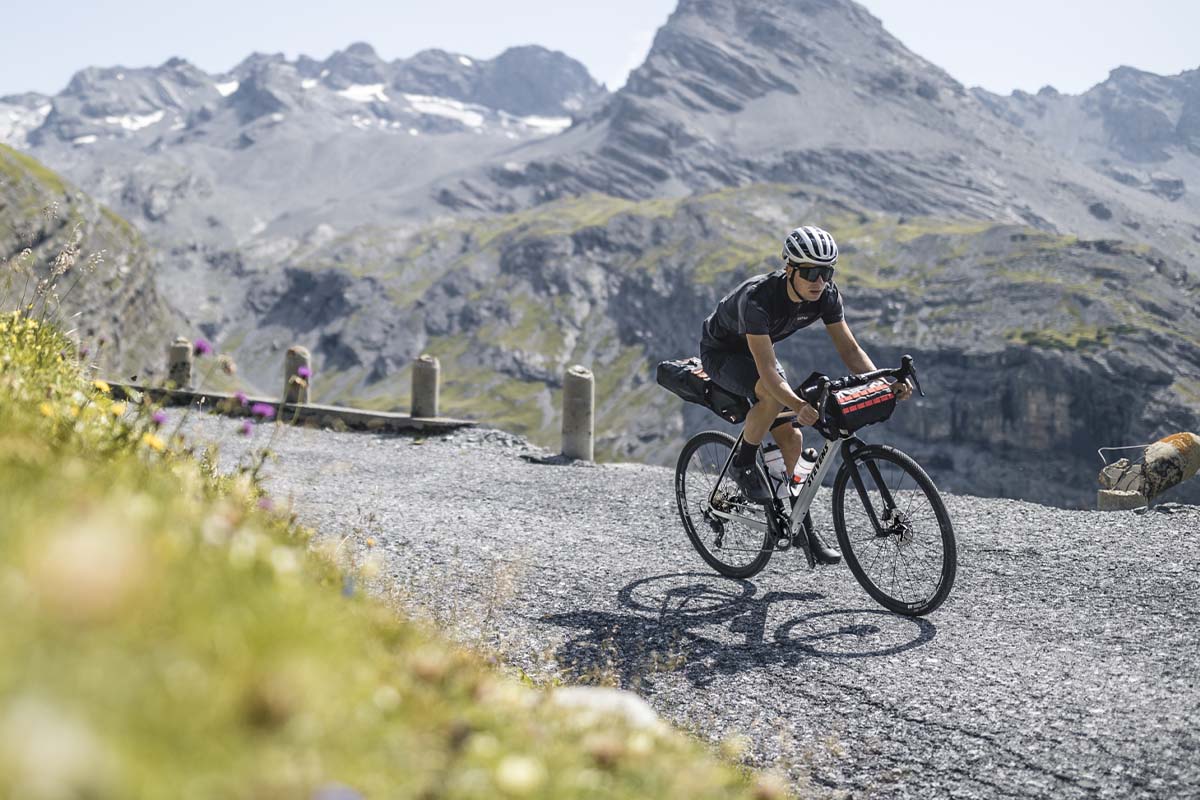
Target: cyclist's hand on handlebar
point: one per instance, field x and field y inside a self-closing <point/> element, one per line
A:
<point x="902" y="390"/>
<point x="805" y="414"/>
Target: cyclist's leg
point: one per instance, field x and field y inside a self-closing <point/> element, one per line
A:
<point x="761" y="417"/>
<point x="791" y="443"/>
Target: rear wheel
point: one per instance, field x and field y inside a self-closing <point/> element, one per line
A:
<point x="730" y="532"/>
<point x="894" y="530"/>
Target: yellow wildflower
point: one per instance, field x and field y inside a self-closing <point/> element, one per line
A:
<point x="46" y="409"/>
<point x="102" y="386"/>
<point x="150" y="440"/>
<point x="117" y="409"/>
<point x="520" y="775"/>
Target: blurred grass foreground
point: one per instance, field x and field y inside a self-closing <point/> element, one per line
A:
<point x="167" y="634"/>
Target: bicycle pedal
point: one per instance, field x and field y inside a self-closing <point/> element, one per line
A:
<point x="783" y="543"/>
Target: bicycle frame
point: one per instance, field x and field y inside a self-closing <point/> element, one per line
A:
<point x="793" y="517"/>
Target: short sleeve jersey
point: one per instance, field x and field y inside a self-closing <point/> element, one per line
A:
<point x="761" y="305"/>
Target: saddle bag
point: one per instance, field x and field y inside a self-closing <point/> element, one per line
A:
<point x="687" y="379"/>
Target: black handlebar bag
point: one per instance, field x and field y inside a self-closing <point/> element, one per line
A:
<point x="853" y="407"/>
<point x="687" y="379"/>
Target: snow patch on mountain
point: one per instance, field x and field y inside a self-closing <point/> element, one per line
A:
<point x="227" y="88"/>
<point x="17" y="121"/>
<point x="547" y="125"/>
<point x="365" y="93"/>
<point x="135" y="122"/>
<point x="470" y="115"/>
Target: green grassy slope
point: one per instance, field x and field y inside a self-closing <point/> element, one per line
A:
<point x="167" y="634"/>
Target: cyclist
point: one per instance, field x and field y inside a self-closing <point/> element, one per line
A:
<point x="737" y="349"/>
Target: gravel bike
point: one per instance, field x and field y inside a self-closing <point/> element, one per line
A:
<point x="891" y="523"/>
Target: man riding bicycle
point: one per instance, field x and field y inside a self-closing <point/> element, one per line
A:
<point x="737" y="349"/>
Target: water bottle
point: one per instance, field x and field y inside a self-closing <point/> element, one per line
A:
<point x="804" y="467"/>
<point x="773" y="457"/>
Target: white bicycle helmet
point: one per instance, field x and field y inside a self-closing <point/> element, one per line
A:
<point x="810" y="245"/>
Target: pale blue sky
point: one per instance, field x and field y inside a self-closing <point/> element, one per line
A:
<point x="1000" y="45"/>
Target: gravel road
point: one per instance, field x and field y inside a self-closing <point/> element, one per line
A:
<point x="1064" y="664"/>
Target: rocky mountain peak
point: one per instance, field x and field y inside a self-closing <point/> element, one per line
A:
<point x="1146" y="116"/>
<point x="436" y="73"/>
<point x="728" y="51"/>
<point x="256" y="61"/>
<point x="361" y="50"/>
<point x="525" y="81"/>
<point x="357" y="64"/>
<point x="266" y="87"/>
<point x="532" y="80"/>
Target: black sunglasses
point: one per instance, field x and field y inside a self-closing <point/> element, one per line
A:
<point x="812" y="273"/>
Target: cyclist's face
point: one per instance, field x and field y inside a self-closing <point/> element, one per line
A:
<point x="808" y="290"/>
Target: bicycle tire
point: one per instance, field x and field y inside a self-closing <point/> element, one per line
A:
<point x="695" y="475"/>
<point x="907" y="546"/>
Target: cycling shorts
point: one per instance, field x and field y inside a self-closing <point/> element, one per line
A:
<point x="735" y="372"/>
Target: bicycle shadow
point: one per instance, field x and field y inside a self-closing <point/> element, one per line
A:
<point x="703" y="626"/>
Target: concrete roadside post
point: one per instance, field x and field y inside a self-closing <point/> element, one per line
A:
<point x="297" y="363"/>
<point x="425" y="376"/>
<point x="1119" y="500"/>
<point x="579" y="400"/>
<point x="179" y="363"/>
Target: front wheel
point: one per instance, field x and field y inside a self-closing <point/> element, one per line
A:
<point x="894" y="530"/>
<point x="727" y="530"/>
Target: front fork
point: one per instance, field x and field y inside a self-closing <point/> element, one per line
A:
<point x="889" y="503"/>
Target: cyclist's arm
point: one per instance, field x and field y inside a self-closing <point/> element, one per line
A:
<point x="764" y="359"/>
<point x="856" y="359"/>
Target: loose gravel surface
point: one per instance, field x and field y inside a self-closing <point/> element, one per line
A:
<point x="1064" y="663"/>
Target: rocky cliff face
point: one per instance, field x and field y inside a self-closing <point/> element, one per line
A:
<point x="116" y="310"/>
<point x="1035" y="348"/>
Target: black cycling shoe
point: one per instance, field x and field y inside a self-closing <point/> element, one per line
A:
<point x="752" y="483"/>
<point x="823" y="553"/>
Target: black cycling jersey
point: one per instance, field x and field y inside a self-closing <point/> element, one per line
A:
<point x="761" y="305"/>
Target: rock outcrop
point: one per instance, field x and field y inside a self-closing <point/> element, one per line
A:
<point x="109" y="297"/>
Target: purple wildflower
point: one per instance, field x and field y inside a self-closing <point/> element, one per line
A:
<point x="264" y="503"/>
<point x="262" y="410"/>
<point x="158" y="417"/>
<point x="304" y="372"/>
<point x="247" y="427"/>
<point x="202" y="347"/>
<point x="242" y="399"/>
<point x="336" y="791"/>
